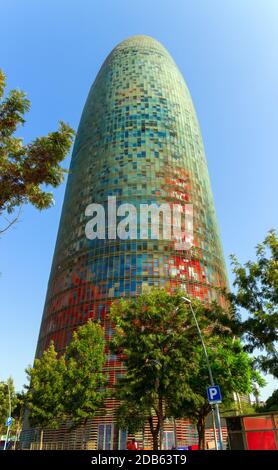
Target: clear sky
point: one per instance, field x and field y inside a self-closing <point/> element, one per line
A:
<point x="227" y="52"/>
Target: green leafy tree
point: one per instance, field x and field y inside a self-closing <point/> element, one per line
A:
<point x="131" y="415"/>
<point x="18" y="414"/>
<point x="26" y="169"/>
<point x="271" y="403"/>
<point x="256" y="284"/>
<point x="45" y="392"/>
<point x="166" y="371"/>
<point x="8" y="399"/>
<point x="69" y="386"/>
<point x="84" y="379"/>
<point x="232" y="370"/>
<point x="155" y="337"/>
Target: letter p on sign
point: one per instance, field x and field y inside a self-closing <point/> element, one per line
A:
<point x="214" y="395"/>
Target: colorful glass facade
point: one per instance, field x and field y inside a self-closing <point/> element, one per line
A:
<point x="138" y="140"/>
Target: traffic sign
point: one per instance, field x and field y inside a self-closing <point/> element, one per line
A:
<point x="214" y="395"/>
<point x="9" y="421"/>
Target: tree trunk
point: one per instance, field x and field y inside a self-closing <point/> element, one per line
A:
<point x="84" y="443"/>
<point x="160" y="422"/>
<point x="41" y="439"/>
<point x="155" y="440"/>
<point x="154" y="433"/>
<point x="201" y="432"/>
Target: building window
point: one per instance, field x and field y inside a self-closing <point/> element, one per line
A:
<point x="168" y="440"/>
<point x="122" y="439"/>
<point x="105" y="436"/>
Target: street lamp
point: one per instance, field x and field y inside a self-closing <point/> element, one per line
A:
<point x="217" y="414"/>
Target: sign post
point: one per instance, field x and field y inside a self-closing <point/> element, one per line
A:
<point x="214" y="399"/>
<point x="9" y="421"/>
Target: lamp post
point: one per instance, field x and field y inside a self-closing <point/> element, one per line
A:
<point x="215" y="415"/>
<point x="10" y="413"/>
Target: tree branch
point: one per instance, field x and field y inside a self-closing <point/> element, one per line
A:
<point x="10" y="223"/>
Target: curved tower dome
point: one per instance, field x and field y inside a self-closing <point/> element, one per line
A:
<point x="138" y="140"/>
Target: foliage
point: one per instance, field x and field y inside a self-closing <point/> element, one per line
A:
<point x="25" y="169"/>
<point x="68" y="386"/>
<point x="232" y="370"/>
<point x="18" y="412"/>
<point x="271" y="403"/>
<point x="84" y="379"/>
<point x="4" y="402"/>
<point x="166" y="372"/>
<point x="256" y="284"/>
<point x="155" y="336"/>
<point x="131" y="415"/>
<point x="45" y="392"/>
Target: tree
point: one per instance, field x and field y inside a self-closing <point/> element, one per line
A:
<point x="256" y="284"/>
<point x="271" y="403"/>
<point x="84" y="378"/>
<point x="69" y="386"/>
<point x="26" y="169"/>
<point x="18" y="414"/>
<point x="155" y="338"/>
<point x="166" y="371"/>
<point x="45" y="392"/>
<point x="11" y="403"/>
<point x="8" y="402"/>
<point x="232" y="370"/>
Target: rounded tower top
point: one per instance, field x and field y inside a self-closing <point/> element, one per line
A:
<point x="139" y="44"/>
<point x="140" y="40"/>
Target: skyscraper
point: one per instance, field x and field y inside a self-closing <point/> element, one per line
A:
<point x="139" y="141"/>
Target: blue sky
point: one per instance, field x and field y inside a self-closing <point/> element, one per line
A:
<point x="227" y="52"/>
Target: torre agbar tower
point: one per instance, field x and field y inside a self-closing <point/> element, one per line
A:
<point x="138" y="140"/>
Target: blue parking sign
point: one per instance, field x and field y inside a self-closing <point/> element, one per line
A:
<point x="9" y="421"/>
<point x="214" y="395"/>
